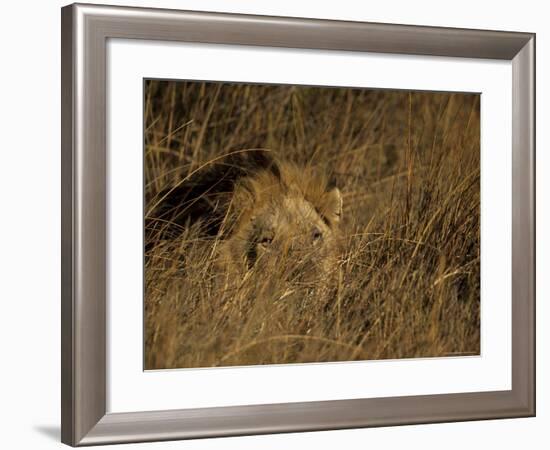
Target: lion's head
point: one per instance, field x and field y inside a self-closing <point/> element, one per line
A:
<point x="284" y="218"/>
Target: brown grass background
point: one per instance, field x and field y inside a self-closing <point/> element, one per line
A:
<point x="408" y="165"/>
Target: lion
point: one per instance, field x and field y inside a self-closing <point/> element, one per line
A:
<point x="263" y="214"/>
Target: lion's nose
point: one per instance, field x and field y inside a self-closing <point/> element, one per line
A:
<point x="296" y="246"/>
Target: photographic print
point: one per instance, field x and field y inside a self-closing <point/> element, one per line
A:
<point x="297" y="224"/>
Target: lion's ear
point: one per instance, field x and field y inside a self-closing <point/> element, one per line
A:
<point x="333" y="205"/>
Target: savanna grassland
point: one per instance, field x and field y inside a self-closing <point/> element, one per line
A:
<point x="408" y="282"/>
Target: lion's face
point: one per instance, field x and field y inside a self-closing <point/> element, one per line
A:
<point x="290" y="230"/>
<point x="281" y="229"/>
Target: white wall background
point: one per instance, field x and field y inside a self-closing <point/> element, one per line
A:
<point x="30" y="222"/>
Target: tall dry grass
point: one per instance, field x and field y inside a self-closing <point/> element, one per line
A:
<point x="408" y="281"/>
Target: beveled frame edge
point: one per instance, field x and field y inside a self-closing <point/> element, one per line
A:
<point x="85" y="29"/>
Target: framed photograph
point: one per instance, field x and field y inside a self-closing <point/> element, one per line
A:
<point x="281" y="224"/>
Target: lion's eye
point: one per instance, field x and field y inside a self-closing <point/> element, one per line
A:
<point x="317" y="235"/>
<point x="266" y="240"/>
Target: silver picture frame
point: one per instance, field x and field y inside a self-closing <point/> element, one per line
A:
<point x="85" y="31"/>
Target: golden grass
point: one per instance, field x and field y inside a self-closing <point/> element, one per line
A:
<point x="408" y="281"/>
